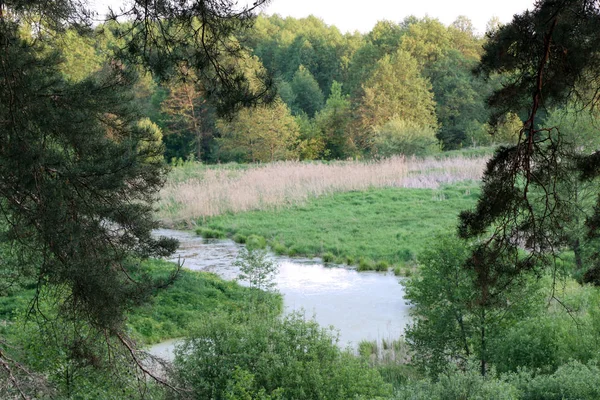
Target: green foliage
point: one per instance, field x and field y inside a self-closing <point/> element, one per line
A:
<point x="395" y="90"/>
<point x="285" y="44"/>
<point x="308" y="97"/>
<point x="544" y="340"/>
<point x="242" y="385"/>
<point x="460" y="101"/>
<point x="80" y="166"/>
<point x="440" y="295"/>
<point x="507" y="129"/>
<point x="290" y="357"/>
<point x="571" y="381"/>
<point x="255" y="242"/>
<point x="401" y="137"/>
<point x="382" y="266"/>
<point x="207" y="233"/>
<point x="257" y="268"/>
<point x="75" y="358"/>
<point x="426" y="40"/>
<point x="334" y="123"/>
<point x="80" y="56"/>
<point x="365" y="264"/>
<point x="578" y="129"/>
<point x="194" y="295"/>
<point x="265" y="133"/>
<point x="239" y="238"/>
<point x="311" y="144"/>
<point x="518" y="50"/>
<point x="458" y="385"/>
<point x="328" y="257"/>
<point x="451" y="325"/>
<point x="383" y="224"/>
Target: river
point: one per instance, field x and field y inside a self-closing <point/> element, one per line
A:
<point x="362" y="306"/>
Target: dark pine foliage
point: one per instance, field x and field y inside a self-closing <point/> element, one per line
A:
<point x="548" y="56"/>
<point x="78" y="173"/>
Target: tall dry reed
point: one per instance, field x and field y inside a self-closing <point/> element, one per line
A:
<point x="216" y="191"/>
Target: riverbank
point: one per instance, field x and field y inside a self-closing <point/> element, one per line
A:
<point x="372" y="229"/>
<point x="171" y="314"/>
<point x="194" y="295"/>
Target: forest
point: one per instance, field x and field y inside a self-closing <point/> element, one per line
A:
<point x="464" y="166"/>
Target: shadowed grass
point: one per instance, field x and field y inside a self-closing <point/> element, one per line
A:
<point x="193" y="295"/>
<point x="171" y="313"/>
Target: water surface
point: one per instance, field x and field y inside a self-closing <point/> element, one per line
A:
<point x="362" y="306"/>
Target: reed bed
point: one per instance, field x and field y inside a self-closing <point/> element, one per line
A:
<point x="213" y="191"/>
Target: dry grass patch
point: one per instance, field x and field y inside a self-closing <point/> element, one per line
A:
<point x="213" y="191"/>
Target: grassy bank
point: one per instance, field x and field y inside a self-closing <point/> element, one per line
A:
<point x="364" y="228"/>
<point x="171" y="313"/>
<point x="193" y="296"/>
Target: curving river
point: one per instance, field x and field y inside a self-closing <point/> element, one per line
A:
<point x="365" y="305"/>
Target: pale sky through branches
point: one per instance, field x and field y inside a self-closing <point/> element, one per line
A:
<point x="351" y="15"/>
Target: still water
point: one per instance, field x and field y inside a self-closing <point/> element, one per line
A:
<point x="362" y="306"/>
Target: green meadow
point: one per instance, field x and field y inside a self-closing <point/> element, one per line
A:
<point x="372" y="229"/>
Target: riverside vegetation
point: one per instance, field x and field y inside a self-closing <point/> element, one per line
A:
<point x="348" y="136"/>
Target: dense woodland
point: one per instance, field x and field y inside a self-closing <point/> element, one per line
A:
<point x="505" y="307"/>
<point x="403" y="88"/>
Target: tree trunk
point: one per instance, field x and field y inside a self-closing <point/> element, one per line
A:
<point x="482" y="355"/>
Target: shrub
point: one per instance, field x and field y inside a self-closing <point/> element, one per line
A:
<point x="402" y="137"/>
<point x="290" y="357"/>
<point x="278" y="248"/>
<point x="458" y="385"/>
<point x="257" y="268"/>
<point x="571" y="381"/>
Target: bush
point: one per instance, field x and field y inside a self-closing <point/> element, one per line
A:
<point x="573" y="380"/>
<point x="239" y="238"/>
<point x="278" y="248"/>
<point x="459" y="385"/>
<point x="257" y="268"/>
<point x="290" y="357"/>
<point x="401" y="137"/>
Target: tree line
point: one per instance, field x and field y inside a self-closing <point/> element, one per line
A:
<point x="402" y="88"/>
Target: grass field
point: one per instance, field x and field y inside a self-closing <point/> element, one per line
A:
<point x="372" y="228"/>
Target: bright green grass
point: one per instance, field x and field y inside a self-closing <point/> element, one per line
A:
<point x="361" y="228"/>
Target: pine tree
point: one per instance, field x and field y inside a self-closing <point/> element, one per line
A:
<point x="79" y="171"/>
